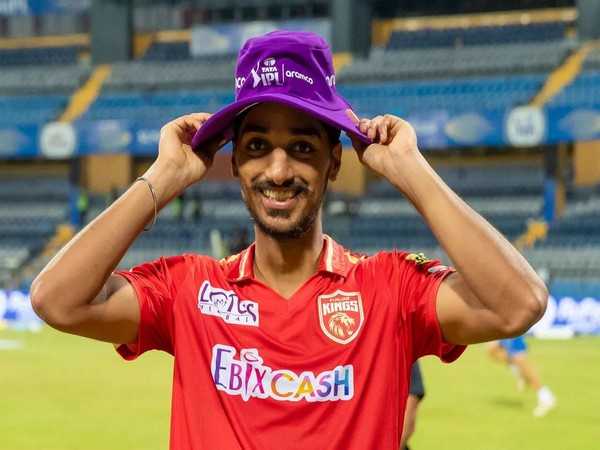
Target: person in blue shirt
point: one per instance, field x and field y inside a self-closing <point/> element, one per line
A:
<point x="513" y="352"/>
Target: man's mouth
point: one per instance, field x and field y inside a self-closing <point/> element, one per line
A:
<point x="279" y="195"/>
<point x="279" y="198"/>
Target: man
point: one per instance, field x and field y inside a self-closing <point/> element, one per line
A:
<point x="513" y="352"/>
<point x="295" y="343"/>
<point x="416" y="394"/>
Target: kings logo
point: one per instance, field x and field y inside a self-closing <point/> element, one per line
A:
<point x="341" y="315"/>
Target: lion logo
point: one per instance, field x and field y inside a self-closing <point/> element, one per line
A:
<point x="341" y="325"/>
<point x="341" y="315"/>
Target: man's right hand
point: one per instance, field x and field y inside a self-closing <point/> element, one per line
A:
<point x="178" y="166"/>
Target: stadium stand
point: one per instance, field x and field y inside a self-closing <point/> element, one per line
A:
<point x="26" y="109"/>
<point x="40" y="56"/>
<point x="155" y="106"/>
<point x="453" y="95"/>
<point x="37" y="95"/>
<point x="479" y="35"/>
<point x="457" y="61"/>
<point x="593" y="59"/>
<point x="42" y="79"/>
<point x="168" y="51"/>
<point x="584" y="91"/>
<point x="31" y="210"/>
<point x="149" y="75"/>
<point x="507" y="201"/>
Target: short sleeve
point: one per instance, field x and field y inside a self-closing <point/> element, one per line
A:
<point x="155" y="284"/>
<point x="415" y="281"/>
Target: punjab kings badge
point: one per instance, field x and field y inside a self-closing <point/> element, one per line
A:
<point x="341" y="315"/>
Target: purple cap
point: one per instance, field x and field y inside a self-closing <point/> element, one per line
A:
<point x="292" y="68"/>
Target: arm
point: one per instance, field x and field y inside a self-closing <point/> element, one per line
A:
<point x="495" y="292"/>
<point x="76" y="292"/>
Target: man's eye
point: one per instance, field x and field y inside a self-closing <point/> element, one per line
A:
<point x="302" y="147"/>
<point x="257" y="145"/>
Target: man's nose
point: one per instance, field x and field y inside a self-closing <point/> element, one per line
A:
<point x="279" y="169"/>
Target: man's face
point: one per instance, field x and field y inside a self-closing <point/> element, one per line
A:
<point x="284" y="160"/>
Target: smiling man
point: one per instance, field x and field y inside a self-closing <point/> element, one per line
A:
<point x="294" y="343"/>
<point x="287" y="158"/>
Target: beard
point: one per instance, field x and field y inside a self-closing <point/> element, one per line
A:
<point x="296" y="229"/>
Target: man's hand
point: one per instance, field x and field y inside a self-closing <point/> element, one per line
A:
<point x="394" y="147"/>
<point x="178" y="166"/>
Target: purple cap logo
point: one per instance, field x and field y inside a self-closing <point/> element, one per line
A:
<point x="267" y="74"/>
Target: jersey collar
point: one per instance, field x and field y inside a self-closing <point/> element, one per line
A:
<point x="334" y="259"/>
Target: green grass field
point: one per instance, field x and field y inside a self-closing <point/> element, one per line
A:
<point x="60" y="392"/>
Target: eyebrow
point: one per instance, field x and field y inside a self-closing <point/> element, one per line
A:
<point x="297" y="131"/>
<point x="253" y="128"/>
<point x="306" y="131"/>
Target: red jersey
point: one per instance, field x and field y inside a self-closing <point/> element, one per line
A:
<point x="328" y="368"/>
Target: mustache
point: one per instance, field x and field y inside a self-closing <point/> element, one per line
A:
<point x="295" y="184"/>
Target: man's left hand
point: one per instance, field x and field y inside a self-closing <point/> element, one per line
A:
<point x="394" y="145"/>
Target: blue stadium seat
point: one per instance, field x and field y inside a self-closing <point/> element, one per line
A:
<point x="40" y="56"/>
<point x="158" y="106"/>
<point x="455" y="95"/>
<point x="31" y="208"/>
<point x="27" y="109"/>
<point x="161" y="51"/>
<point x="583" y="92"/>
<point x="481" y="35"/>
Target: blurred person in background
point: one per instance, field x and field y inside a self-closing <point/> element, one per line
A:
<point x="513" y="353"/>
<point x="196" y="202"/>
<point x="179" y="207"/>
<point x="416" y="394"/>
<point x="83" y="205"/>
<point x="295" y="341"/>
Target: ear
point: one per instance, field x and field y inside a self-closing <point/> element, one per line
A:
<point x="336" y="161"/>
<point x="234" y="167"/>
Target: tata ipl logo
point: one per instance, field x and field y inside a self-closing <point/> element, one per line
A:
<point x="267" y="74"/>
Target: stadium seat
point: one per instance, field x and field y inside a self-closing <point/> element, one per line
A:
<point x="478" y="35"/>
<point x="443" y="62"/>
<point x="31" y="208"/>
<point x="40" y="56"/>
<point x="152" y="75"/>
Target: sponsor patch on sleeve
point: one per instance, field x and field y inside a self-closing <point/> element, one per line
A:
<point x="418" y="258"/>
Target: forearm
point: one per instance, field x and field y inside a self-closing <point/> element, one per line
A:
<point x="496" y="273"/>
<point x="76" y="275"/>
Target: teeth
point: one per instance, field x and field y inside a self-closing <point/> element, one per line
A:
<point x="280" y="196"/>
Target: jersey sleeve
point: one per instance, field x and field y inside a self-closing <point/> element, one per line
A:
<point x="415" y="281"/>
<point x="155" y="284"/>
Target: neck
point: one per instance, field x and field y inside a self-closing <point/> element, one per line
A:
<point x="284" y="265"/>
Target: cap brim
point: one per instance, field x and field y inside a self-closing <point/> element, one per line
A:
<point x="220" y="123"/>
